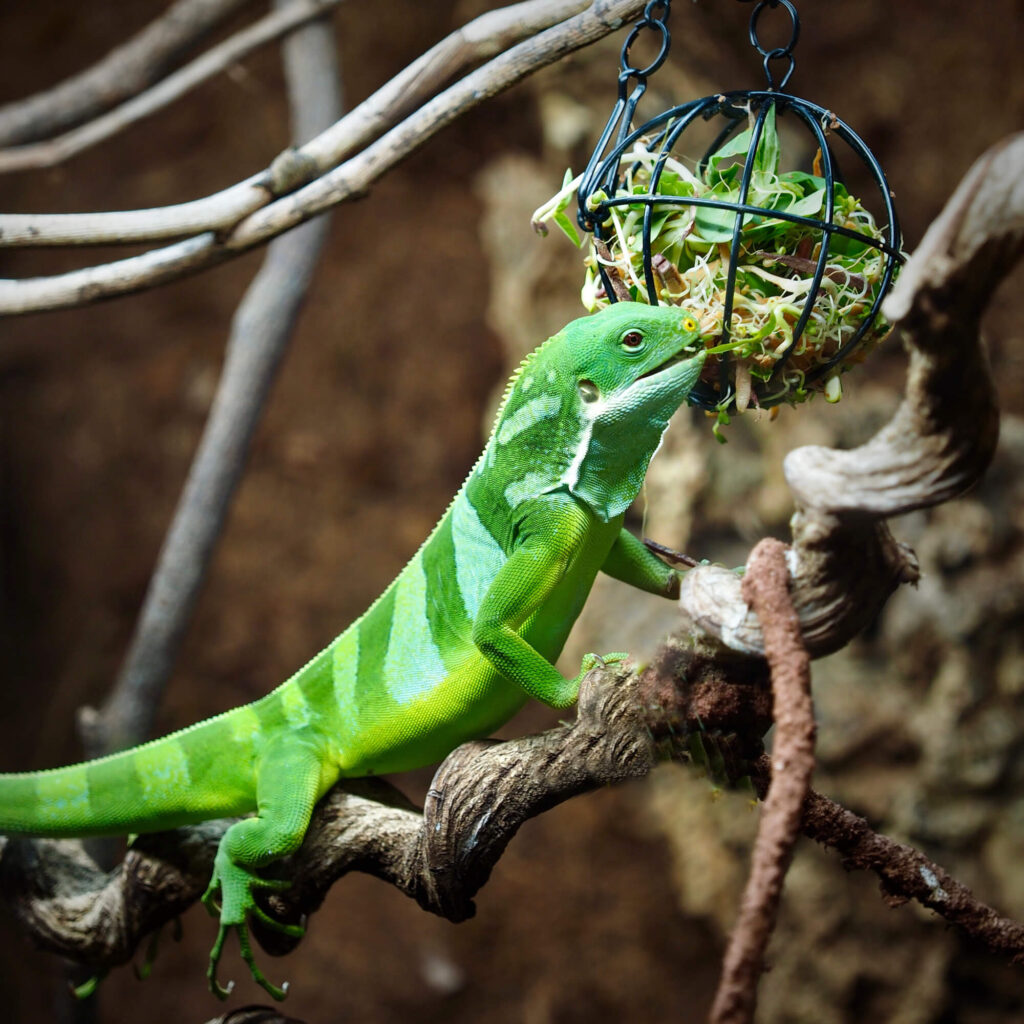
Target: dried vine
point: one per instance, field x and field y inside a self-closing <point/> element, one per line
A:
<point x="765" y="586"/>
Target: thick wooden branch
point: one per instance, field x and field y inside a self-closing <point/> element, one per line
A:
<point x="844" y="562"/>
<point x="479" y="798"/>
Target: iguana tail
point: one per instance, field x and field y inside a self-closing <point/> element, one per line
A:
<point x="205" y="771"/>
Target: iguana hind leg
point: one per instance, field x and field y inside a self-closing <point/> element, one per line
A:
<point x="288" y="782"/>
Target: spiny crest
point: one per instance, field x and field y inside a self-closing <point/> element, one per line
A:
<point x="528" y="361"/>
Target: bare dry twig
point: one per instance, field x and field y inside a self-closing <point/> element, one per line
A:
<point x="272" y="26"/>
<point x="124" y="72"/>
<point x="237" y="232"/>
<point x="484" y="37"/>
<point x="905" y="873"/>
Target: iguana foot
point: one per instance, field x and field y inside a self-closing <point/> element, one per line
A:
<point x="234" y="886"/>
<point x="571" y="693"/>
<point x="591" y="661"/>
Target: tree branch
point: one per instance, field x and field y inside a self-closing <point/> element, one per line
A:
<point x="348" y="181"/>
<point x="272" y="26"/>
<point x="260" y="333"/>
<point x="125" y="71"/>
<point x="905" y="873"/>
<point x="483" y="37"/>
<point x="440" y="857"/>
<point x="479" y="798"/>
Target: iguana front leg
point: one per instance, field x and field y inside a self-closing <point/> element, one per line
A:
<point x="632" y="562"/>
<point x="288" y="781"/>
<point x="551" y="540"/>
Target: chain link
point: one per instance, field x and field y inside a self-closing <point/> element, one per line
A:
<point x="655" y="19"/>
<point x="778" y="52"/>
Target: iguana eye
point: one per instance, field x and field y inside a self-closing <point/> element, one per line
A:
<point x="588" y="391"/>
<point x="689" y="324"/>
<point x="632" y="341"/>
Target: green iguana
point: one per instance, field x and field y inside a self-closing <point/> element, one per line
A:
<point x="453" y="647"/>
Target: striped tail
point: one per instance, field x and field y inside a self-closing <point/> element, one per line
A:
<point x="202" y="772"/>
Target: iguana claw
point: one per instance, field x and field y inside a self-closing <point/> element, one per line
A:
<point x="87" y="988"/>
<point x="223" y="991"/>
<point x="233" y="917"/>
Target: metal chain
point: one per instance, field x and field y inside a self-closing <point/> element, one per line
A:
<point x="777" y="52"/>
<point x="655" y="19"/>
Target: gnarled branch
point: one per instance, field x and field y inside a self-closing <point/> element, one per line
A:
<point x="844" y="562"/>
<point x="479" y="798"/>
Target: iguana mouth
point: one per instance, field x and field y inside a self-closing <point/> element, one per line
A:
<point x="681" y="356"/>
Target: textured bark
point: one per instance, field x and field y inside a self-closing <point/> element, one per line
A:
<point x="765" y="587"/>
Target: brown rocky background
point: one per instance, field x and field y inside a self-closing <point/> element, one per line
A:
<point x="612" y="908"/>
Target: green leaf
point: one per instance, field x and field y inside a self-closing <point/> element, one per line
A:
<point x="808" y="206"/>
<point x="842" y="245"/>
<point x="714" y="225"/>
<point x="673" y="184"/>
<point x="807" y="183"/>
<point x="766" y="159"/>
<point x="568" y="227"/>
<point x="659" y="219"/>
<point x="721" y="420"/>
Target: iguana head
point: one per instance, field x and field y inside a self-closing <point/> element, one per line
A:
<point x="586" y="412"/>
<point x="631" y="362"/>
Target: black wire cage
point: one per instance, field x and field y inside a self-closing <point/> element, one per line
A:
<point x="604" y="187"/>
